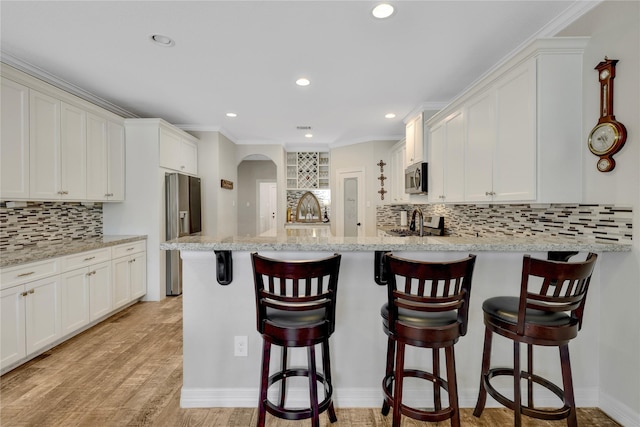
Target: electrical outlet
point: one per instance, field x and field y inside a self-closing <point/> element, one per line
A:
<point x="240" y="346"/>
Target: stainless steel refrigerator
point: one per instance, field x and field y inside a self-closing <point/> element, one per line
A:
<point x="183" y="218"/>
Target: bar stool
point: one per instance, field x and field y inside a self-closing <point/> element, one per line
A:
<point x="551" y="316"/>
<point x="428" y="306"/>
<point x="295" y="306"/>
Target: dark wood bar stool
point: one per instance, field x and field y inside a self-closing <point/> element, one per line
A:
<point x="428" y="306"/>
<point x="295" y="306"/>
<point x="550" y="316"/>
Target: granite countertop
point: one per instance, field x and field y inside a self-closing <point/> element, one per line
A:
<point x="46" y="251"/>
<point x="364" y="244"/>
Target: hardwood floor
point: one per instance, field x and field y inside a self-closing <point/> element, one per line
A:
<point x="127" y="371"/>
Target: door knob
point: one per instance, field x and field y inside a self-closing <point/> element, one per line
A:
<point x="358" y="224"/>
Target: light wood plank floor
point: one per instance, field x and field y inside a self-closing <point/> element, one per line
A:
<point x="127" y="371"/>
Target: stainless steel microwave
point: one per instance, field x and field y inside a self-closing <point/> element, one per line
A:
<point x="415" y="179"/>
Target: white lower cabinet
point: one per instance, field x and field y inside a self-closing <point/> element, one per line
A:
<point x="86" y="296"/>
<point x="43" y="302"/>
<point x="99" y="290"/>
<point x="129" y="273"/>
<point x="12" y="326"/>
<point x="30" y="318"/>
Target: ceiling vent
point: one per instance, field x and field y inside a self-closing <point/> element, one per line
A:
<point x="303" y="127"/>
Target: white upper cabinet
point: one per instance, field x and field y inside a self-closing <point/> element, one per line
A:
<point x="414" y="140"/>
<point x="501" y="143"/>
<point x="14" y="141"/>
<point x="105" y="159"/>
<point x="44" y="149"/>
<point x="446" y="160"/>
<point x="57" y="149"/>
<point x="178" y="151"/>
<point x="397" y="156"/>
<point x="73" y="152"/>
<point x="56" y="146"/>
<point x="521" y="130"/>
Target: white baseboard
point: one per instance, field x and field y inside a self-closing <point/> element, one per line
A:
<point x="620" y="412"/>
<point x="361" y="398"/>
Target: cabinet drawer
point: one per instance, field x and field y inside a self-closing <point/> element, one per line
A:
<point x="28" y="272"/>
<point x="84" y="259"/>
<point x="128" y="249"/>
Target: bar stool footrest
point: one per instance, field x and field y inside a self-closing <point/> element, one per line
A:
<point x="417" y="414"/>
<point x="545" y="414"/>
<point x="297" y="413"/>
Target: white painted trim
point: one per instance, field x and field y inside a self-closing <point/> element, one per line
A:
<point x="372" y="398"/>
<point x="620" y="412"/>
<point x="38" y="73"/>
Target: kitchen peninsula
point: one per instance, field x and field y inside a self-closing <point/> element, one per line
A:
<point x="215" y="314"/>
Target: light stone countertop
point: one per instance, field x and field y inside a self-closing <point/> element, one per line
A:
<point x="44" y="251"/>
<point x="366" y="244"/>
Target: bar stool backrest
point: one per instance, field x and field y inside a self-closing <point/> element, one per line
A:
<point x="563" y="287"/>
<point x="295" y="286"/>
<point x="434" y="287"/>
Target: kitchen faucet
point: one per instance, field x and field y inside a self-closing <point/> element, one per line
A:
<point x="412" y="226"/>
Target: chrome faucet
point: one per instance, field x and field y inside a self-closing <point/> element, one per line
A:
<point x="412" y="226"/>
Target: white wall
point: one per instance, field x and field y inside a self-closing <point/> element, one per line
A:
<point x="366" y="156"/>
<point x="142" y="212"/>
<point x="614" y="28"/>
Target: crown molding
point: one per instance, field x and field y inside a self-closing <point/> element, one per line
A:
<point x="59" y="83"/>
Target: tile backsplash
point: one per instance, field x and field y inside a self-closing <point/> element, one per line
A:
<point x="46" y="222"/>
<point x="598" y="222"/>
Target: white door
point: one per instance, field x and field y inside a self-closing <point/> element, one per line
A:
<point x="267" y="206"/>
<point x="350" y="203"/>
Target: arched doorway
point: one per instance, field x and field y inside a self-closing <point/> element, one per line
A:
<point x="257" y="196"/>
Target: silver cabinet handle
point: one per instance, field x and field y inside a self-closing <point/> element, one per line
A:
<point x="89" y="258"/>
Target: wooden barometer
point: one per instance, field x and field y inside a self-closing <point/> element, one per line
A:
<point x="609" y="135"/>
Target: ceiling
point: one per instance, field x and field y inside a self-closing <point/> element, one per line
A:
<point x="244" y="57"/>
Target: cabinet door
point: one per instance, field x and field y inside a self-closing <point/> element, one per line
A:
<point x="44" y="146"/>
<point x="454" y="159"/>
<point x="74" y="300"/>
<point x="14" y="141"/>
<point x="12" y="327"/>
<point x="120" y="290"/>
<point x="169" y="150"/>
<point x="116" y="160"/>
<point x="481" y="135"/>
<point x="42" y="313"/>
<point x="99" y="290"/>
<point x="514" y="169"/>
<point x="410" y="136"/>
<point x="138" y="276"/>
<point x="398" y="153"/>
<point x="97" y="158"/>
<point x="415" y="140"/>
<point x="73" y="152"/>
<point x="189" y="155"/>
<point x="437" y="163"/>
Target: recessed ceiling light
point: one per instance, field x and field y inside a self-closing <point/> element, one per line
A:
<point x="390" y="116"/>
<point x="383" y="10"/>
<point x="161" y="40"/>
<point x="308" y="135"/>
<point x="303" y="81"/>
<point x="231" y="115"/>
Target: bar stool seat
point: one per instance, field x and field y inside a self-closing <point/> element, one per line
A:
<point x="427" y="307"/>
<point x="295" y="307"/>
<point x="551" y="316"/>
